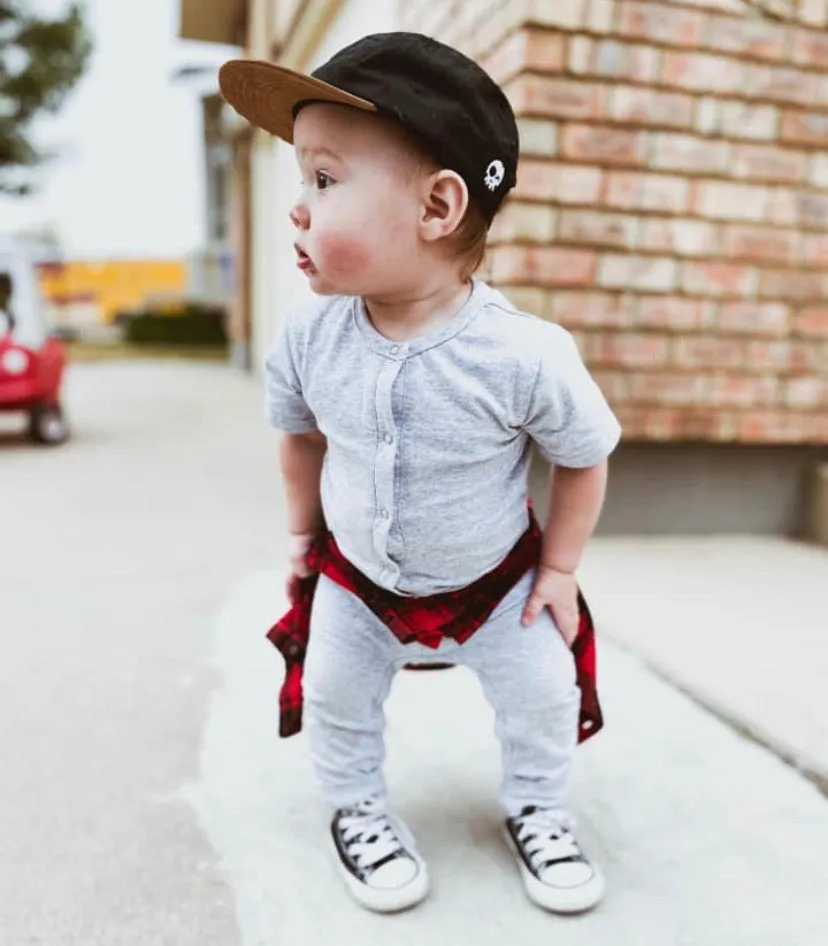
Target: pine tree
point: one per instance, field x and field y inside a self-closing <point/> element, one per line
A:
<point x="41" y="59"/>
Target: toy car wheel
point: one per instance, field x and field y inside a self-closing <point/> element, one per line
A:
<point x="48" y="425"/>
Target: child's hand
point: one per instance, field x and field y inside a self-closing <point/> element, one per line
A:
<point x="557" y="591"/>
<point x="298" y="549"/>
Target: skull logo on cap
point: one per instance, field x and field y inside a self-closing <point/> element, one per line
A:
<point x="495" y="173"/>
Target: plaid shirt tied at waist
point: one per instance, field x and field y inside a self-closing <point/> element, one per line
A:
<point x="426" y="620"/>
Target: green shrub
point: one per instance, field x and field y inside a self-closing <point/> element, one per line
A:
<point x="195" y="325"/>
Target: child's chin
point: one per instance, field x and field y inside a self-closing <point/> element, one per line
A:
<point x="322" y="287"/>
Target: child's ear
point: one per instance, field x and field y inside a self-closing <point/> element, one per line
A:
<point x="446" y="200"/>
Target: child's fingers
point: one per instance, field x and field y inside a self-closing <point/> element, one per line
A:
<point x="567" y="621"/>
<point x="533" y="608"/>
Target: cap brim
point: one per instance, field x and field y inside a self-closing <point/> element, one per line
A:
<point x="266" y="94"/>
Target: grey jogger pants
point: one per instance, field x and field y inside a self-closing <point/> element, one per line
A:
<point x="527" y="674"/>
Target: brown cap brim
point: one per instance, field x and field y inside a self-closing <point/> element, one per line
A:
<point x="266" y="94"/>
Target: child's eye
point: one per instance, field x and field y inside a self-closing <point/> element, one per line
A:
<point x="323" y="180"/>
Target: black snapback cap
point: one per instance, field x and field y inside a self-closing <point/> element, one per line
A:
<point x="445" y="99"/>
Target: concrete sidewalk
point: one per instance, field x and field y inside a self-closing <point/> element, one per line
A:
<point x="144" y="570"/>
<point x="707" y="839"/>
<point x="741" y="624"/>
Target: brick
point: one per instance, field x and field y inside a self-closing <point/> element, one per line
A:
<point x="660" y="24"/>
<point x="542" y="266"/>
<point x="773" y="427"/>
<point x="700" y="72"/>
<point x="783" y="85"/>
<point x="812" y="209"/>
<point x="600" y="15"/>
<point x="768" y="163"/>
<point x="581" y="55"/>
<point x="590" y="309"/>
<point x="603" y="145"/>
<point x="649" y="107"/>
<point x="644" y="273"/>
<point x="718" y="279"/>
<point x="538" y="180"/>
<point x="725" y="201"/>
<point x="762" y="244"/>
<point x="708" y="353"/>
<point x="751" y="318"/>
<point x="526" y="49"/>
<point x="489" y="32"/>
<point x="783" y="206"/>
<point x="652" y="423"/>
<point x="805" y="393"/>
<point x="813" y="12"/>
<point x="811" y="49"/>
<point x="742" y="120"/>
<point x="625" y="61"/>
<point x="785" y="10"/>
<point x="815" y="251"/>
<point x="769" y="355"/>
<point x="578" y="185"/>
<point x="674" y="313"/>
<point x="671" y="390"/>
<point x="686" y="153"/>
<point x="791" y="284"/>
<point x="810" y="128"/>
<point x="743" y="391"/>
<point x="538" y="137"/>
<point x="566" y="14"/>
<point x="708" y="115"/>
<point x="615" y="385"/>
<point x="757" y="38"/>
<point x="532" y="299"/>
<point x="706" y="424"/>
<point x="547" y="97"/>
<point x="682" y="237"/>
<point x="630" y="350"/>
<point x="737" y="6"/>
<point x="658" y="192"/>
<point x="812" y="322"/>
<point x="470" y="12"/>
<point x="809" y="355"/>
<point x="818" y="173"/>
<point x="598" y="229"/>
<point x="518" y="222"/>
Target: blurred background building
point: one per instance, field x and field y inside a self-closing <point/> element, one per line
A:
<point x="671" y="210"/>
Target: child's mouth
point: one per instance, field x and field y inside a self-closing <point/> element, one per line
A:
<point x="304" y="262"/>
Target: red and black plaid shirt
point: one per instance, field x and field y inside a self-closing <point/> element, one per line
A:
<point x="427" y="620"/>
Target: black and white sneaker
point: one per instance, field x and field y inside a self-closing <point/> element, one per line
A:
<point x="556" y="874"/>
<point x="378" y="858"/>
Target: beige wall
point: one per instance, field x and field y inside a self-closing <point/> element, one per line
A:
<point x="278" y="284"/>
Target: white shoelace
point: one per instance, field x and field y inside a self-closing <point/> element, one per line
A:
<point x="546" y="836"/>
<point x="369" y="837"/>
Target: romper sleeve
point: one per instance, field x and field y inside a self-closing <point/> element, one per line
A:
<point x="286" y="407"/>
<point x="568" y="417"/>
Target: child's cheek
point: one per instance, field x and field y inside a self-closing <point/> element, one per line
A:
<point x="340" y="254"/>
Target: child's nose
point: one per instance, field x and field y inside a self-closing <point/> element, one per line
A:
<point x="300" y="217"/>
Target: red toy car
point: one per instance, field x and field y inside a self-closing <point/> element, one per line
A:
<point x="31" y="362"/>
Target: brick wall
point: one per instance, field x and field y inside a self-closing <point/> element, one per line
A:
<point x="672" y="203"/>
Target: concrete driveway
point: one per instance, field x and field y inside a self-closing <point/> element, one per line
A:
<point x="145" y="797"/>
